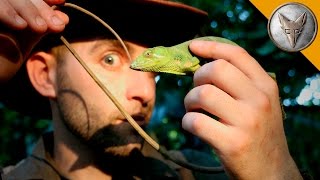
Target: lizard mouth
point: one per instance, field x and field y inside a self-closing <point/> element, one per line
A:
<point x="132" y="66"/>
<point x="135" y="68"/>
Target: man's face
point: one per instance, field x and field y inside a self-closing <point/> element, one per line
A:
<point x="88" y="112"/>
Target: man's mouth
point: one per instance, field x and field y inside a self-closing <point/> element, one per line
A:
<point x="140" y="119"/>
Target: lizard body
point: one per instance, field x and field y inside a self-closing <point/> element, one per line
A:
<point x="176" y="59"/>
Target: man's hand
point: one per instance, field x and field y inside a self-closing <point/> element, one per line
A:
<point x="35" y="14"/>
<point x="22" y="24"/>
<point x="248" y="136"/>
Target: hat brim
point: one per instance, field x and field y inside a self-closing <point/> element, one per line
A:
<point x="148" y="22"/>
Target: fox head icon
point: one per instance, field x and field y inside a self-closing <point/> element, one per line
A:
<point x="292" y="28"/>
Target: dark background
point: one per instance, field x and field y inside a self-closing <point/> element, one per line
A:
<point x="238" y="20"/>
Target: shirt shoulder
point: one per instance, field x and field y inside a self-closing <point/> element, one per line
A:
<point x="29" y="168"/>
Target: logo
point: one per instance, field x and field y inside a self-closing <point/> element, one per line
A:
<point x="292" y="27"/>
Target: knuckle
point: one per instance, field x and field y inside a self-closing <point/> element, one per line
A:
<point x="220" y="67"/>
<point x="191" y="121"/>
<point x="9" y="12"/>
<point x="273" y="86"/>
<point x="215" y="67"/>
<point x="255" y="114"/>
<point x="263" y="103"/>
<point x="220" y="64"/>
<point x="238" y="146"/>
<point x="196" y="127"/>
<point x="240" y="51"/>
<point x="187" y="100"/>
<point x="253" y="123"/>
<point x="203" y="92"/>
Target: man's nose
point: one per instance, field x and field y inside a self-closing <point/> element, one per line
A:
<point x="141" y="86"/>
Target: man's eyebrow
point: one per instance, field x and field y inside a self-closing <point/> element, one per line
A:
<point x="109" y="42"/>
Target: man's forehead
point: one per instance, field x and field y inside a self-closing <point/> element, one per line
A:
<point x="107" y="43"/>
<point x="114" y="44"/>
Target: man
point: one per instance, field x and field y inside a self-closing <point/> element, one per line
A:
<point x="92" y="140"/>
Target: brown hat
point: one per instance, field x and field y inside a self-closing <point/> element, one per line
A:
<point x="148" y="22"/>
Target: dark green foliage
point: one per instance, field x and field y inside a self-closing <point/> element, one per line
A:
<point x="18" y="134"/>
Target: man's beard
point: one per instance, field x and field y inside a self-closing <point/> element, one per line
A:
<point x="74" y="113"/>
<point x="113" y="138"/>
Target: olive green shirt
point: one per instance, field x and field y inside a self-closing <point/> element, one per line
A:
<point x="40" y="165"/>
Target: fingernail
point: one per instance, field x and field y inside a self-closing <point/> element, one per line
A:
<point x="40" y="21"/>
<point x="56" y="21"/>
<point x="19" y="20"/>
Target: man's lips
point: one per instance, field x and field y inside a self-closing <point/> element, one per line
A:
<point x="139" y="119"/>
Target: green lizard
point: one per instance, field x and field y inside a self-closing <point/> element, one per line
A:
<point x="175" y="59"/>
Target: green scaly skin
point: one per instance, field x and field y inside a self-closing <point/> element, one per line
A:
<point x="175" y="59"/>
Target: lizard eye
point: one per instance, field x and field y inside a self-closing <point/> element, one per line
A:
<point x="148" y="54"/>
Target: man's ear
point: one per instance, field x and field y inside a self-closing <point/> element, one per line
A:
<point x="41" y="68"/>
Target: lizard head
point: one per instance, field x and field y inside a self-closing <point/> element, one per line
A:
<point x="151" y="60"/>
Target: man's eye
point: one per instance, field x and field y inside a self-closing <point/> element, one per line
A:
<point x="111" y="59"/>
